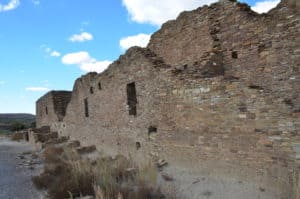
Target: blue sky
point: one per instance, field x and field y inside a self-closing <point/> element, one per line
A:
<point x="47" y="44"/>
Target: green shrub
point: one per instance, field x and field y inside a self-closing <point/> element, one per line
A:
<point x="17" y="126"/>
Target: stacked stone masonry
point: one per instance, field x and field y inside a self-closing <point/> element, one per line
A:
<point x="52" y="107"/>
<point x="216" y="90"/>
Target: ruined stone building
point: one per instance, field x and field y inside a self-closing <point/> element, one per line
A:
<point x="217" y="91"/>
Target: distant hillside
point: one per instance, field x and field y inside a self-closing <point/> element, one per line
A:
<point x="7" y="119"/>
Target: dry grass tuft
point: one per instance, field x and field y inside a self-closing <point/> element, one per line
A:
<point x="67" y="175"/>
<point x="62" y="175"/>
<point x="52" y="154"/>
<point x="17" y="136"/>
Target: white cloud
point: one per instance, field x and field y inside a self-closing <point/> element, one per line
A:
<point x="36" y="2"/>
<point x="50" y="52"/>
<point x="11" y="5"/>
<point x="85" y="62"/>
<point x="157" y="12"/>
<point x="55" y="54"/>
<point x="46" y="83"/>
<point x="85" y="23"/>
<point x="96" y="66"/>
<point x="82" y="37"/>
<point x="264" y="6"/>
<point x="37" y="89"/>
<point x="141" y="40"/>
<point x="76" y="58"/>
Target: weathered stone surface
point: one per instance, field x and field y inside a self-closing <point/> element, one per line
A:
<point x="52" y="108"/>
<point x="73" y="144"/>
<point x="44" y="137"/>
<point x="213" y="84"/>
<point x="86" y="149"/>
<point x="161" y="163"/>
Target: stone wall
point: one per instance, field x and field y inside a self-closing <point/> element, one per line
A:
<point x="51" y="108"/>
<point x="216" y="91"/>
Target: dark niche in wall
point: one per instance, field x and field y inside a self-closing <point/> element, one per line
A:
<point x="131" y="98"/>
<point x="138" y="145"/>
<point x="91" y="90"/>
<point x="99" y="86"/>
<point x="151" y="130"/>
<point x="86" y="107"/>
<point x="46" y="109"/>
<point x="252" y="86"/>
<point x="234" y="54"/>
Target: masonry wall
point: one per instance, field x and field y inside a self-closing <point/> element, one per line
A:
<point x="51" y="108"/>
<point x="217" y="89"/>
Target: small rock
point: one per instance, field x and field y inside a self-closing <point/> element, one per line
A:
<point x="34" y="156"/>
<point x="196" y="181"/>
<point x="130" y="171"/>
<point x="26" y="153"/>
<point x="73" y="144"/>
<point x="153" y="154"/>
<point x="94" y="162"/>
<point x="167" y="177"/>
<point x="275" y="138"/>
<point x="262" y="189"/>
<point x="207" y="193"/>
<point x="152" y="137"/>
<point x="225" y="136"/>
<point x="86" y="149"/>
<point x="266" y="143"/>
<point x="161" y="163"/>
<point x="201" y="140"/>
<point x="241" y="153"/>
<point x="233" y="150"/>
<point x="284" y="144"/>
<point x="85" y="197"/>
<point x="29" y="162"/>
<point x="242" y="116"/>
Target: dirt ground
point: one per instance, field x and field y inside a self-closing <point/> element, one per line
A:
<point x="17" y="166"/>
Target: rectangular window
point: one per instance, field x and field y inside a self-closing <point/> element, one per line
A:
<point x="91" y="90"/>
<point x="86" y="107"/>
<point x="46" y="110"/>
<point x="234" y="54"/>
<point x="131" y="98"/>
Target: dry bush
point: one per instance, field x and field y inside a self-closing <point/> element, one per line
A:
<point x="52" y="154"/>
<point x="66" y="174"/>
<point x="120" y="178"/>
<point x="17" y="137"/>
<point x="70" y="155"/>
<point x="83" y="177"/>
<point x="42" y="181"/>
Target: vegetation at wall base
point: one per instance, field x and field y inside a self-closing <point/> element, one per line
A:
<point x="67" y="175"/>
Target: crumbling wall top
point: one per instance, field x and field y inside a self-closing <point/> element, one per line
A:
<point x="60" y="100"/>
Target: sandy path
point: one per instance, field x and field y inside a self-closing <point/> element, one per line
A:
<point x="15" y="174"/>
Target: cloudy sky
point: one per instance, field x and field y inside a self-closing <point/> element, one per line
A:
<point x="47" y="44"/>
